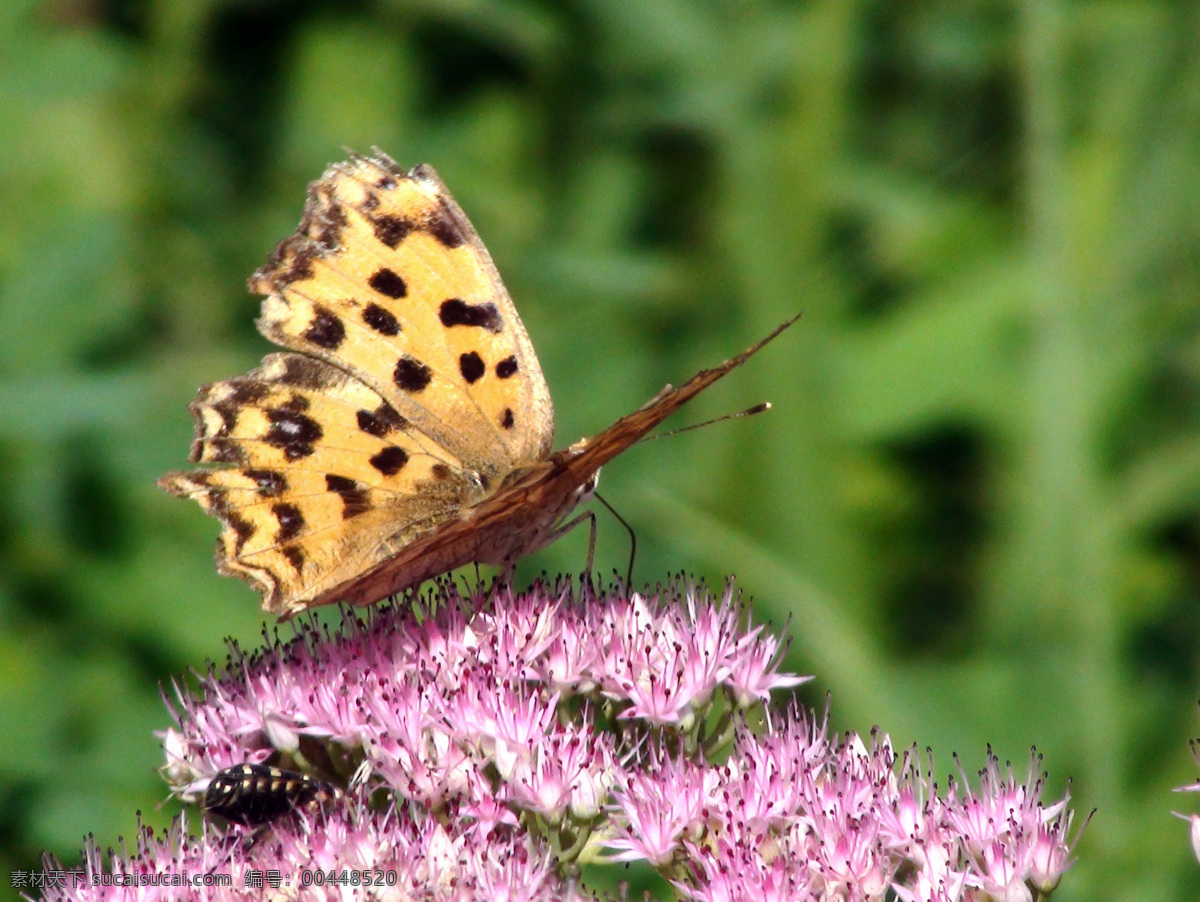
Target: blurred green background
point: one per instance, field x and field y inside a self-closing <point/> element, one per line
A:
<point x="975" y="498"/>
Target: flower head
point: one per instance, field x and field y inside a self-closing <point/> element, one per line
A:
<point x="483" y="747"/>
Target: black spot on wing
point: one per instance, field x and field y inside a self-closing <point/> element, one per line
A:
<point x="507" y="420"/>
<point x="381" y="421"/>
<point x="323" y="220"/>
<point x="295" y="403"/>
<point x="319" y="235"/>
<point x="244" y="392"/>
<point x="354" y="495"/>
<point x="290" y="519"/>
<point x="472" y="367"/>
<point x="445" y="226"/>
<point x="390" y="460"/>
<point x="293" y="433"/>
<point x="507" y="367"/>
<point x="412" y="375"/>
<point x="294" y="555"/>
<point x="269" y="483"/>
<point x="456" y="312"/>
<point x="242" y="528"/>
<point x="202" y="478"/>
<point x="325" y="330"/>
<point x="220" y="451"/>
<point x="293" y="263"/>
<point x="391" y="230"/>
<point x="388" y="282"/>
<point x="381" y="320"/>
<point x="228" y="413"/>
<point x="302" y="371"/>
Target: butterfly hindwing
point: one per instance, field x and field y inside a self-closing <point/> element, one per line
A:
<point x="316" y="461"/>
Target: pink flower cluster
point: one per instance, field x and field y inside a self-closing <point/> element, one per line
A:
<point x="795" y="815"/>
<point x="350" y="853"/>
<point x="491" y="746"/>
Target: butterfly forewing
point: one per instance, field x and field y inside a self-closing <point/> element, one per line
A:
<point x="387" y="280"/>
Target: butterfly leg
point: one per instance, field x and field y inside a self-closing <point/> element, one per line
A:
<point x="562" y="530"/>
<point x="632" y="538"/>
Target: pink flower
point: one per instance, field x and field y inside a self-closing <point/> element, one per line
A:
<point x="657" y="804"/>
<point x="570" y="770"/>
<point x="666" y="662"/>
<point x="1193" y="820"/>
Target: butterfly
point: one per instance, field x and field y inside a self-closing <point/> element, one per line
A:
<point x="408" y="429"/>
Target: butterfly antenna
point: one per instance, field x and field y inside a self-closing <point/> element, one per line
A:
<point x="632" y="537"/>
<point x="748" y="412"/>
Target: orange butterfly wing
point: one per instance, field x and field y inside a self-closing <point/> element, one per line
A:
<point x="407" y="431"/>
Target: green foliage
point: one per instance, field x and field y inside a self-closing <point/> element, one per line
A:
<point x="976" y="497"/>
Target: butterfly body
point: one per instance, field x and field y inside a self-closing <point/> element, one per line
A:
<point x="407" y="430"/>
